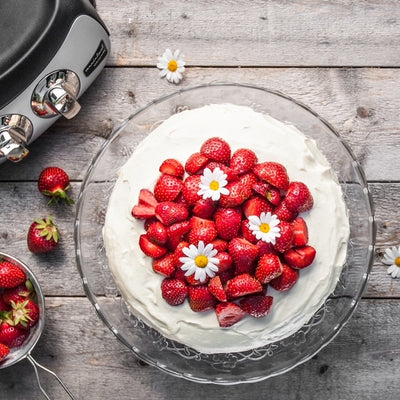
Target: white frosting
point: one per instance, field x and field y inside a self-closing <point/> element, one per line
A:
<point x="179" y="137"/>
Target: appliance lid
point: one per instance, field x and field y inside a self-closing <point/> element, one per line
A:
<point x="31" y="33"/>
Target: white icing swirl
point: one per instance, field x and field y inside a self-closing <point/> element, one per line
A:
<point x="180" y="136"/>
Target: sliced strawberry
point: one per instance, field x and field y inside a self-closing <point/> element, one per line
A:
<point x="243" y="254"/>
<point x="216" y="149"/>
<point x="140" y="211"/>
<point x="10" y="275"/>
<point x="238" y="193"/>
<point x="269" y="267"/>
<point x="204" y="208"/>
<point x="174" y="291"/>
<point x="228" y="314"/>
<point x="4" y="351"/>
<point x="151" y="249"/>
<point x="257" y="305"/>
<point x="200" y="298"/>
<point x="165" y="265"/>
<point x="242" y="285"/>
<point x="271" y="193"/>
<point x="171" y="166"/>
<point x="190" y="189"/>
<point x="227" y="222"/>
<point x="243" y="160"/>
<point x="157" y="233"/>
<point x="12" y="336"/>
<point x="168" y="212"/>
<point x="167" y="188"/>
<point x="195" y="163"/>
<point x="286" y="280"/>
<point x="256" y="205"/>
<point x="247" y="233"/>
<point x="202" y="229"/>
<point x="265" y="248"/>
<point x="219" y="244"/>
<point x="298" y="197"/>
<point x="225" y="261"/>
<point x="283" y="213"/>
<point x="176" y="232"/>
<point x="285" y="241"/>
<point x="146" y="198"/>
<point x="300" y="232"/>
<point x="216" y="289"/>
<point x="227" y="275"/>
<point x="300" y="257"/>
<point x="273" y="173"/>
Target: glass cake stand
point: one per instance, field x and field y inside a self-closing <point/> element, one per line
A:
<point x="175" y="358"/>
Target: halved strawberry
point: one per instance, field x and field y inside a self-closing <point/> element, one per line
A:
<point x="228" y="314"/>
<point x="190" y="189"/>
<point x="202" y="229"/>
<point x="216" y="289"/>
<point x="227" y="222"/>
<point x="157" y="233"/>
<point x="167" y="188"/>
<point x="243" y="254"/>
<point x="165" y="265"/>
<point x="174" y="291"/>
<point x="247" y="233"/>
<point x="298" y="197"/>
<point x="285" y="240"/>
<point x="283" y="213"/>
<point x="171" y="166"/>
<point x="168" y="212"/>
<point x="147" y="198"/>
<point x="243" y="160"/>
<point x="300" y="232"/>
<point x="300" y="257"/>
<point x="257" y="305"/>
<point x="216" y="149"/>
<point x="256" y="205"/>
<point x="219" y="244"/>
<point x="286" y="280"/>
<point x="195" y="163"/>
<point x="238" y="193"/>
<point x="265" y="248"/>
<point x="176" y="232"/>
<point x="204" y="208"/>
<point x="271" y="193"/>
<point x="200" y="298"/>
<point x="242" y="285"/>
<point x="178" y="252"/>
<point x="269" y="267"/>
<point x="273" y="173"/>
<point x="151" y="249"/>
<point x="146" y="205"/>
<point x="225" y="261"/>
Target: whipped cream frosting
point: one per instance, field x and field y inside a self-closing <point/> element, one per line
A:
<point x="180" y="136"/>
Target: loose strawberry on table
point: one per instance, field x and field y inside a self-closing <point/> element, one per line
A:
<point x="220" y="228"/>
<point x="54" y="182"/>
<point x="43" y="236"/>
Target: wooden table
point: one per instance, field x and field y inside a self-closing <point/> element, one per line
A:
<point x="338" y="57"/>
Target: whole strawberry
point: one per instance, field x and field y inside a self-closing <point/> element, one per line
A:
<point x="43" y="236"/>
<point x="54" y="182"/>
<point x="10" y="275"/>
<point x="24" y="314"/>
<point x="4" y="351"/>
<point x="12" y="336"/>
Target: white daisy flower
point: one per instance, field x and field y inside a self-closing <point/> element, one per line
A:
<point x="171" y="65"/>
<point x="392" y="258"/>
<point x="265" y="227"/>
<point x="213" y="184"/>
<point x="200" y="261"/>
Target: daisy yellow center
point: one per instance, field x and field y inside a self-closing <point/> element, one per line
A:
<point x="172" y="65"/>
<point x="214" y="185"/>
<point x="201" y="261"/>
<point x="264" y="227"/>
<point x="397" y="261"/>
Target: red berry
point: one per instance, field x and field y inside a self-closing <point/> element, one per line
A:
<point x="216" y="149"/>
<point x="247" y="233"/>
<point x="202" y="230"/>
<point x="146" y="205"/>
<point x="300" y="232"/>
<point x="151" y="249"/>
<point x="176" y="232"/>
<point x="168" y="212"/>
<point x="273" y="173"/>
<point x="24" y="313"/>
<point x="227" y="222"/>
<point x="43" y="236"/>
<point x="228" y="314"/>
<point x="157" y="233"/>
<point x="225" y="261"/>
<point x="54" y="182"/>
<point x="269" y="267"/>
<point x="243" y="160"/>
<point x="238" y="193"/>
<point x="174" y="291"/>
<point x="165" y="265"/>
<point x="167" y="188"/>
<point x="4" y="351"/>
<point x="195" y="163"/>
<point x="172" y="167"/>
<point x="285" y="241"/>
<point x="231" y="175"/>
<point x="10" y="275"/>
<point x="200" y="298"/>
<point x="242" y="285"/>
<point x="204" y="208"/>
<point x="257" y="305"/>
<point x="283" y="213"/>
<point x="216" y="289"/>
<point x="298" y="197"/>
<point x="256" y="205"/>
<point x="21" y="292"/>
<point x="300" y="257"/>
<point x="243" y="254"/>
<point x="286" y="280"/>
<point x="190" y="189"/>
<point x="12" y="336"/>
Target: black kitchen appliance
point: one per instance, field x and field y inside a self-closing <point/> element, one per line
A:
<point x="50" y="53"/>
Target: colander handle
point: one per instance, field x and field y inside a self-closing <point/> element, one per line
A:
<point x="35" y="365"/>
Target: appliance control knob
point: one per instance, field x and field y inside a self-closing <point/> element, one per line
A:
<point x="15" y="132"/>
<point x="56" y="94"/>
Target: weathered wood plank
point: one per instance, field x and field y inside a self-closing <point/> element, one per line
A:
<point x="362" y="104"/>
<point x="264" y="33"/>
<point x="94" y="364"/>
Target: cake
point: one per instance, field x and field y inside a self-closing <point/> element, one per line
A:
<point x="325" y="217"/>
